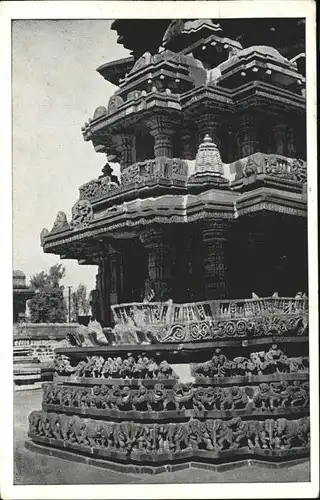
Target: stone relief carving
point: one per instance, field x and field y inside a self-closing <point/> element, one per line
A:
<point x="258" y="363"/>
<point x="140" y="367"/>
<point x="211" y="435"/>
<point x="82" y="214"/>
<point x="275" y="165"/>
<point x="265" y="397"/>
<point x="61" y="222"/>
<point x="114" y="103"/>
<point x="99" y="112"/>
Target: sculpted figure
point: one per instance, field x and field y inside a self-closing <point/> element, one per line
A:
<point x="151" y="438"/>
<point x="123" y="401"/>
<point x="205" y="434"/>
<point x="80" y="368"/>
<point x="97" y="396"/>
<point x="114" y="397"/>
<point x="279" y="394"/>
<point x="194" y="438"/>
<point x="165" y="370"/>
<point x="62" y="365"/>
<point x="139" y="368"/>
<point x="283" y="364"/>
<point x="179" y="436"/>
<point x="239" y="432"/>
<point x="157" y="399"/>
<point x="64" y="423"/>
<point x="199" y="399"/>
<point x="228" y="369"/>
<point x="299" y="393"/>
<point x="124" y="370"/>
<point x="253" y="433"/>
<point x="93" y="432"/>
<point x="43" y="424"/>
<point x="212" y="398"/>
<point x="139" y="399"/>
<point x="162" y="439"/>
<point x="262" y="398"/>
<point x="107" y="434"/>
<point x="298" y="364"/>
<point x="222" y="435"/>
<point x="183" y="394"/>
<point x="77" y="430"/>
<point x="54" y="425"/>
<point x="120" y="436"/>
<point x="267" y="429"/>
<point x="105" y="393"/>
<point x="287" y="431"/>
<point x="152" y="369"/>
<point x="47" y="391"/>
<point x="67" y="397"/>
<point x="241" y="363"/>
<point x="34" y="419"/>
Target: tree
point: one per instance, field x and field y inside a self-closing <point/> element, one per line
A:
<point x="48" y="304"/>
<point x="80" y="302"/>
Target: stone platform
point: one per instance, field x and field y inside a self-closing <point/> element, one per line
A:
<point x="152" y="406"/>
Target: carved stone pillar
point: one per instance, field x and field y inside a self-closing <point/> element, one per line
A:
<point x="247" y="141"/>
<point x="291" y="148"/>
<point x="280" y="135"/>
<point x="162" y="129"/>
<point x="208" y="124"/>
<point x="214" y="259"/>
<point x="126" y="144"/>
<point x="159" y="262"/>
<point x="187" y="144"/>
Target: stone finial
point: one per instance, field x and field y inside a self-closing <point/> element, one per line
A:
<point x="208" y="158"/>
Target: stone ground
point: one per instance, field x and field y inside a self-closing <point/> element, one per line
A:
<point x="35" y="468"/>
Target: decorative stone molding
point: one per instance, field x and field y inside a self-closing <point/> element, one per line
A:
<point x="158" y="168"/>
<point x="213" y="319"/>
<point x="98" y="188"/>
<point x="82" y="214"/>
<point x="61" y="223"/>
<point x="211" y="438"/>
<point x="157" y="401"/>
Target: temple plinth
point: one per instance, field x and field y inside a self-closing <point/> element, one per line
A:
<point x="201" y="248"/>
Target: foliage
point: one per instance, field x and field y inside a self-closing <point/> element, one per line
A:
<point x="48" y="304"/>
<point x="80" y="302"/>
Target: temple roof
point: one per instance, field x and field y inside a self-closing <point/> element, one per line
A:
<point x="286" y="35"/>
<point x="114" y="71"/>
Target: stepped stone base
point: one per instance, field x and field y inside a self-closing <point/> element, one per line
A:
<point x="201" y="463"/>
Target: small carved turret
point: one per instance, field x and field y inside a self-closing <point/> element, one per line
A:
<point x="208" y="158"/>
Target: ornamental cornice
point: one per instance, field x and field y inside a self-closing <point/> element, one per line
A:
<point x="210" y="205"/>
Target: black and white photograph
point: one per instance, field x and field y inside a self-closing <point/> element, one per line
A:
<point x="163" y="277"/>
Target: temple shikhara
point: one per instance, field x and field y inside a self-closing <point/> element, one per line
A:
<point x="201" y="246"/>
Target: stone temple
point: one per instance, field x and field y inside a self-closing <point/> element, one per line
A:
<point x="201" y="247"/>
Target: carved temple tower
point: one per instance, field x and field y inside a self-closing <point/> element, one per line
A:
<point x="209" y="215"/>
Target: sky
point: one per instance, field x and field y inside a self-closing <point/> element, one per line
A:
<point x="55" y="89"/>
